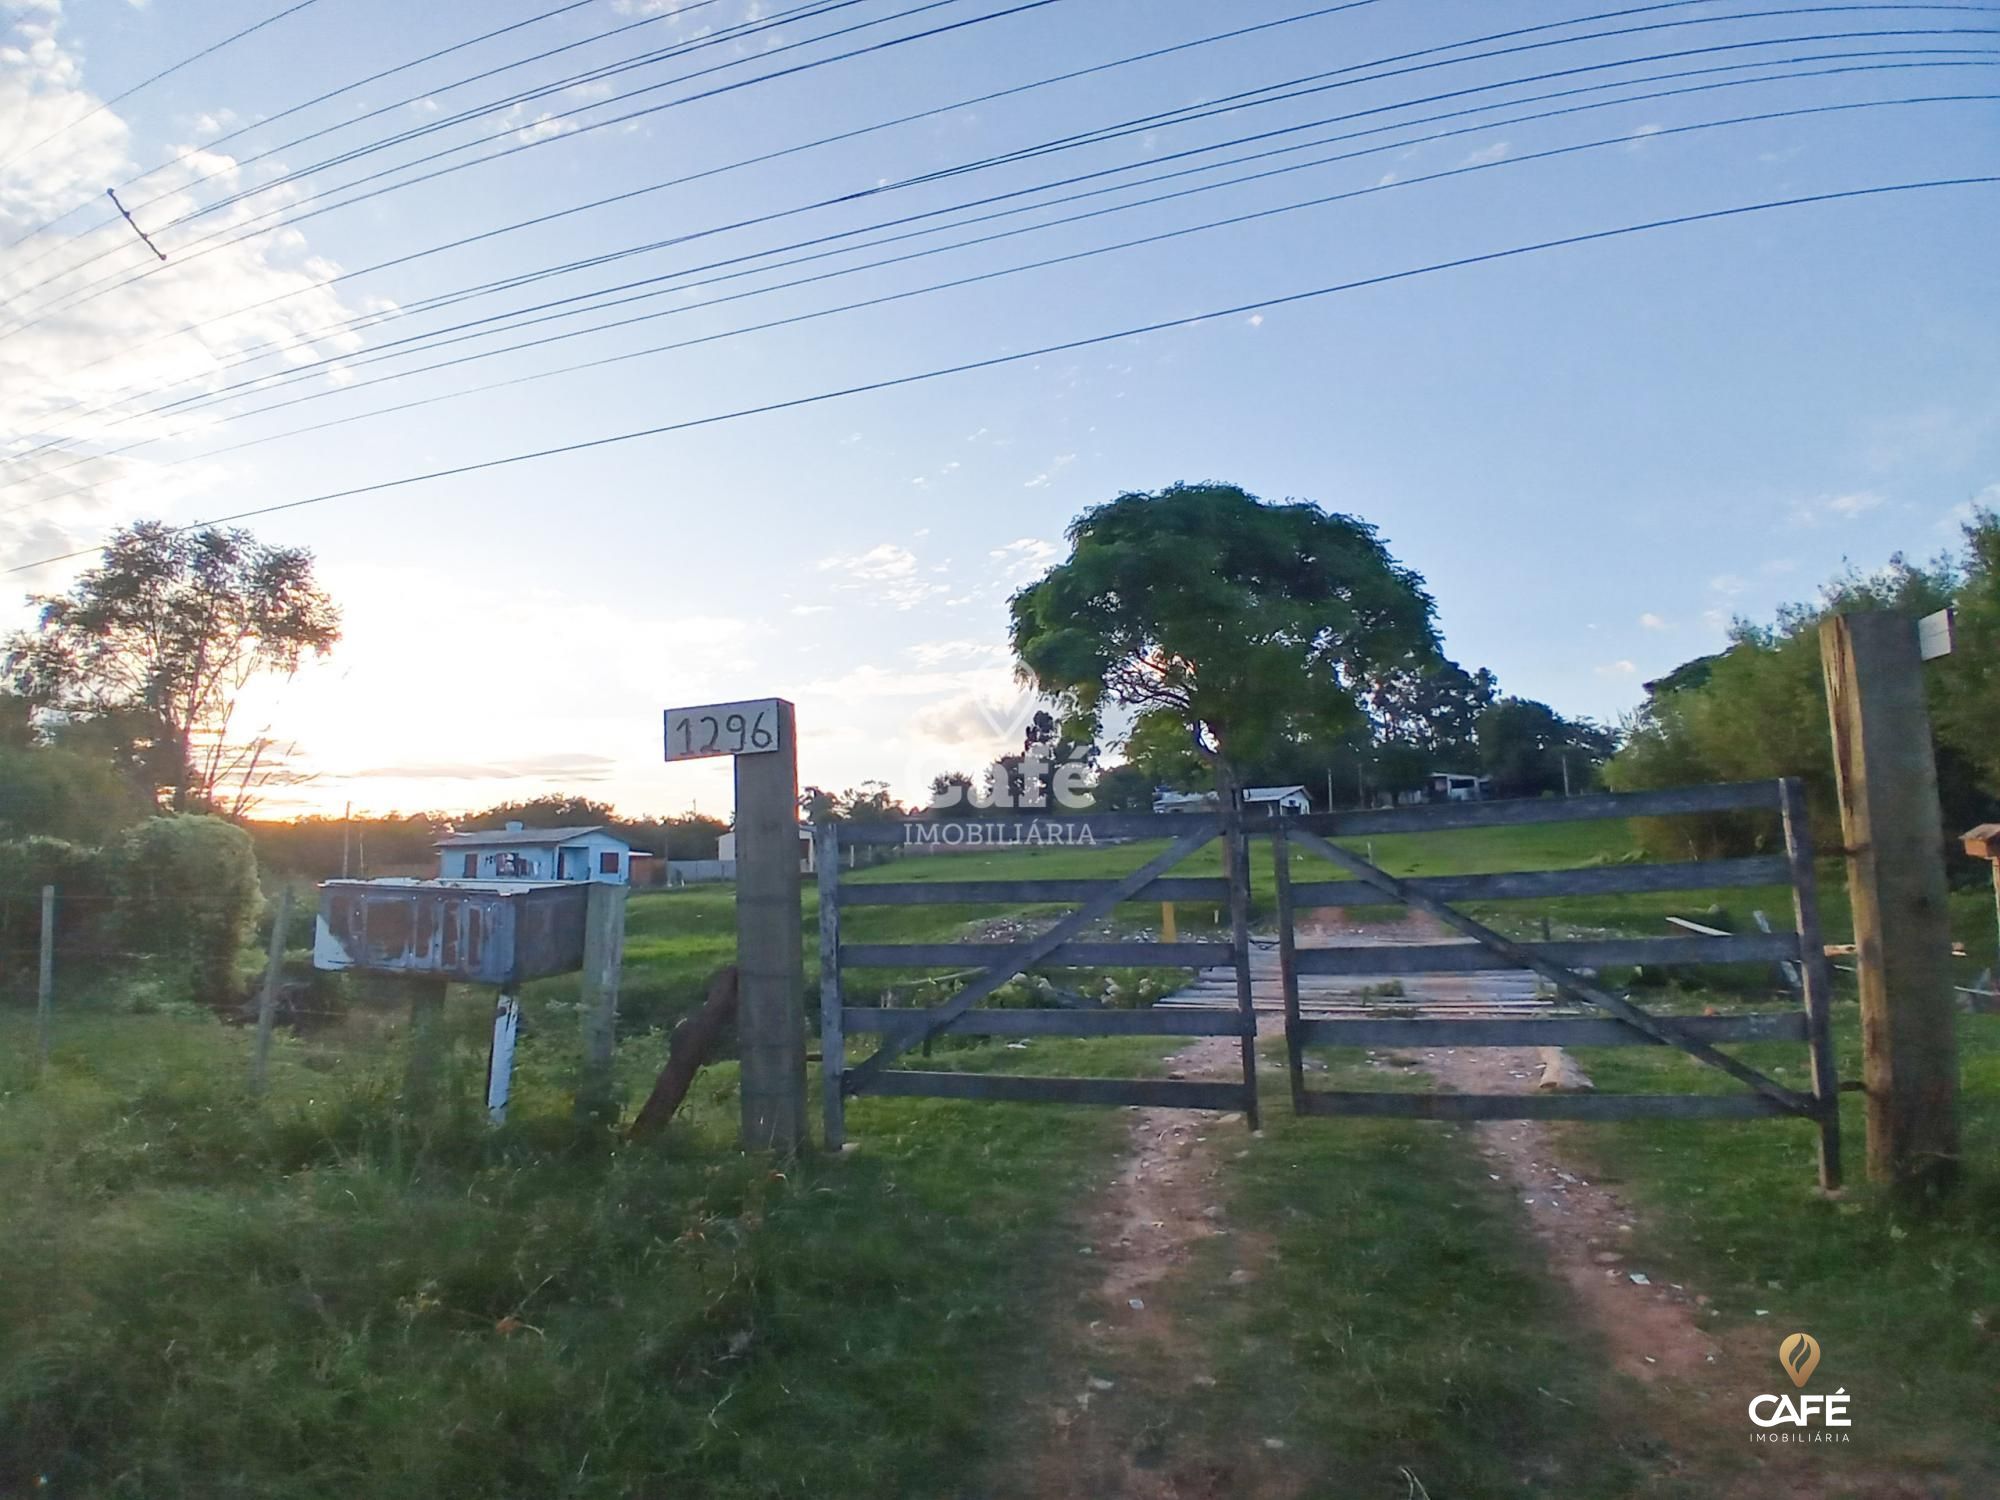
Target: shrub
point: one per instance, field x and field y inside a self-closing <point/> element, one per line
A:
<point x="186" y="888"/>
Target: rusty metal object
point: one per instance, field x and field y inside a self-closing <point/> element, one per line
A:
<point x="475" y="934"/>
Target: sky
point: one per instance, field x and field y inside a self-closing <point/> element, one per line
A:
<point x="1597" y="454"/>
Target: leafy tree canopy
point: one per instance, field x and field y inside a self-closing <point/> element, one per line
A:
<point x="1248" y="622"/>
<point x="169" y="628"/>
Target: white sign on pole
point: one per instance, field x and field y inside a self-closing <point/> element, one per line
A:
<point x="723" y="729"/>
<point x="1937" y="634"/>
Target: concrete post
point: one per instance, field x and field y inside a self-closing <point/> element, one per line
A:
<point x="769" y="932"/>
<point x="603" y="962"/>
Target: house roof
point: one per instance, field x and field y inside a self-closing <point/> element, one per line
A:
<point x="1270" y="793"/>
<point x="515" y="838"/>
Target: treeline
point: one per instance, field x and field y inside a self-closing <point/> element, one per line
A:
<point x="1758" y="708"/>
<point x="403" y="843"/>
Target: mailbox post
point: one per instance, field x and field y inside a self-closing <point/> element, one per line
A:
<point x="761" y="737"/>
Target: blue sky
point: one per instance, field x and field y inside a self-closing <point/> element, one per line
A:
<point x="1596" y="455"/>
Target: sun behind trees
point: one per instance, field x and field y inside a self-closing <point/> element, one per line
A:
<point x="155" y="645"/>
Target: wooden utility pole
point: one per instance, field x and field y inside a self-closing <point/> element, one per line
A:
<point x="1893" y="829"/>
<point x="769" y="930"/>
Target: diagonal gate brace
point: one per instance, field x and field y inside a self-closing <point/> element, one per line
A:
<point x="1564" y="979"/>
<point x="857" y="1078"/>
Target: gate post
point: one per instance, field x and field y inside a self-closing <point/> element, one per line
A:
<point x="769" y="931"/>
<point x="1815" y="978"/>
<point x="832" y="1041"/>
<point x="1236" y="869"/>
<point x="1890" y="819"/>
<point x="1288" y="964"/>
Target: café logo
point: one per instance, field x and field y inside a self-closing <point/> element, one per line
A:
<point x="1805" y="1417"/>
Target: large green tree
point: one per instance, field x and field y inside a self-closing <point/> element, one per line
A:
<point x="1251" y="624"/>
<point x="165" y="633"/>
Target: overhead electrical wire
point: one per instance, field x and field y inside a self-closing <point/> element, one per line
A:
<point x="978" y="278"/>
<point x="249" y="229"/>
<point x="433" y="340"/>
<point x="1264" y="304"/>
<point x="259" y="225"/>
<point x="654" y="187"/>
<point x="512" y="282"/>
<point x="151" y="79"/>
<point x="266" y="120"/>
<point x="808" y="10"/>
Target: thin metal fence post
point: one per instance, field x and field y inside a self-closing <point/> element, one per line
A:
<point x="45" y="988"/>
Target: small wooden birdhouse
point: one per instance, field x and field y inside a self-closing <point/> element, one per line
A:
<point x="1983" y="842"/>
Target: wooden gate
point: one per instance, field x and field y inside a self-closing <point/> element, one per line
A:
<point x="1613" y="1020"/>
<point x="1063" y="944"/>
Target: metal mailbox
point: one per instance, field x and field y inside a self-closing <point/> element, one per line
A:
<point x="498" y="933"/>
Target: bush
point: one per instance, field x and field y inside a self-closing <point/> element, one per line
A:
<point x="186" y="888"/>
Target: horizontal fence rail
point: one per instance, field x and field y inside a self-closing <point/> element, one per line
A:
<point x="1525" y="885"/>
<point x="1559" y="1031"/>
<point x="1021" y="892"/>
<point x="1012" y="1087"/>
<point x="1543" y="1106"/>
<point x="1188" y="1021"/>
<point x="1594" y="953"/>
<point x="1436" y="817"/>
<point x="1068" y="956"/>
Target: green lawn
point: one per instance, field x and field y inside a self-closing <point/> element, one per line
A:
<point x="314" y="1295"/>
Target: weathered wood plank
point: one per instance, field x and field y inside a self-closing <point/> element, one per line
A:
<point x="1524" y="885"/>
<point x="1594" y="953"/>
<point x="1024" y="832"/>
<point x="1157" y="1093"/>
<point x="1560" y="1031"/>
<point x="832" y="1044"/>
<point x="1545" y="1106"/>
<point x="1033" y="952"/>
<point x="1815" y="979"/>
<point x="1236" y="867"/>
<point x="976" y="1022"/>
<point x="1288" y="967"/>
<point x="1133" y="955"/>
<point x="1437" y="816"/>
<point x="1566" y="979"/>
<point x="1021" y="892"/>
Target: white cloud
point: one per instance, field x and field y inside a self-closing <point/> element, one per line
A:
<point x="1726" y="583"/>
<point x="887" y="573"/>
<point x="1487" y="155"/>
<point x="118" y="347"/>
<point x="1651" y="621"/>
<point x="1617" y="669"/>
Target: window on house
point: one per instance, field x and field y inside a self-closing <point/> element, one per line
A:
<point x="607" y="862"/>
<point x="471" y="865"/>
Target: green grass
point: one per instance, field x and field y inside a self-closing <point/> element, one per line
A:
<point x="1398" y="1319"/>
<point x="208" y="1297"/>
<point x="1905" y="1301"/>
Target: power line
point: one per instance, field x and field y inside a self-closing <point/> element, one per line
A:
<point x="345" y="88"/>
<point x="148" y="82"/>
<point x="204" y="400"/>
<point x="275" y="345"/>
<point x="434" y="303"/>
<point x="995" y="274"/>
<point x="1043" y="351"/>
<point x="250" y="229"/>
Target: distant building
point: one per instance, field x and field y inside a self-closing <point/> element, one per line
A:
<point x="1289" y="799"/>
<point x="518" y="853"/>
<point x="1449" y="786"/>
<point x="1261" y="799"/>
<point x="725" y="850"/>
